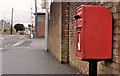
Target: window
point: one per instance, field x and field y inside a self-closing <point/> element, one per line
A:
<point x="41" y="18"/>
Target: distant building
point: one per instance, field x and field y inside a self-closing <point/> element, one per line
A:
<point x="40" y="24"/>
<point x="0" y="25"/>
<point x="5" y="26"/>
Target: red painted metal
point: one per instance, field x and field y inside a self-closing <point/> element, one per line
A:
<point x="93" y="32"/>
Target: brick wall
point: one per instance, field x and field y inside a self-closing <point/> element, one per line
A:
<point x="58" y="31"/>
<point x="65" y="32"/>
<point x="113" y="66"/>
<point x="73" y="60"/>
<point x="62" y="36"/>
<point x="104" y="67"/>
<point x="54" y="35"/>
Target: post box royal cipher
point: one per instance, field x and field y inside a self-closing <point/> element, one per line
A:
<point x="93" y="32"/>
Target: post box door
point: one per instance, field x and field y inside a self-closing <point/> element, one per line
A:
<point x="93" y="32"/>
<point x="79" y="33"/>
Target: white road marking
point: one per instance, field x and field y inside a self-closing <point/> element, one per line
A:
<point x="1" y="48"/>
<point x="27" y="47"/>
<point x="6" y="46"/>
<point x="1" y="38"/>
<point x="9" y="36"/>
<point x="18" y="43"/>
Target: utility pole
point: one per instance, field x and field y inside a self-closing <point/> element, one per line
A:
<point x="35" y="18"/>
<point x="31" y="28"/>
<point x="45" y="5"/>
<point x="46" y="25"/>
<point x="12" y="21"/>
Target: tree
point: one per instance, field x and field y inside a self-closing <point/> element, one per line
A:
<point x="19" y="27"/>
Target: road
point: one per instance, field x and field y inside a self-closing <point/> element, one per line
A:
<point x="27" y="56"/>
<point x="8" y="40"/>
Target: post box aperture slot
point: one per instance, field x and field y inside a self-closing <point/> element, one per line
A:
<point x="77" y="17"/>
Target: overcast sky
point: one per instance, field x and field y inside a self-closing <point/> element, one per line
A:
<point x="22" y="10"/>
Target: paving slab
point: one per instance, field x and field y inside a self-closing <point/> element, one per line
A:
<point x="30" y="58"/>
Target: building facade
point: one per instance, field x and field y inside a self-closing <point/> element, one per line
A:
<point x="5" y="26"/>
<point x="40" y="24"/>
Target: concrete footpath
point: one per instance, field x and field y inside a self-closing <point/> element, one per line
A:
<point x="28" y="56"/>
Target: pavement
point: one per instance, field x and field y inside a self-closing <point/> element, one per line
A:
<point x="27" y="56"/>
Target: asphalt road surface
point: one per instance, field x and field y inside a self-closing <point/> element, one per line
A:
<point x="8" y="40"/>
<point x="27" y="56"/>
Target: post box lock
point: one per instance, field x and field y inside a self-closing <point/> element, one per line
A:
<point x="93" y="32"/>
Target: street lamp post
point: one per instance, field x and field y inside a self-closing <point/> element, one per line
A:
<point x="12" y="21"/>
<point x="35" y="18"/>
<point x="46" y="25"/>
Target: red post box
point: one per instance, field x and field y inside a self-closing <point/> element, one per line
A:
<point x="93" y="32"/>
